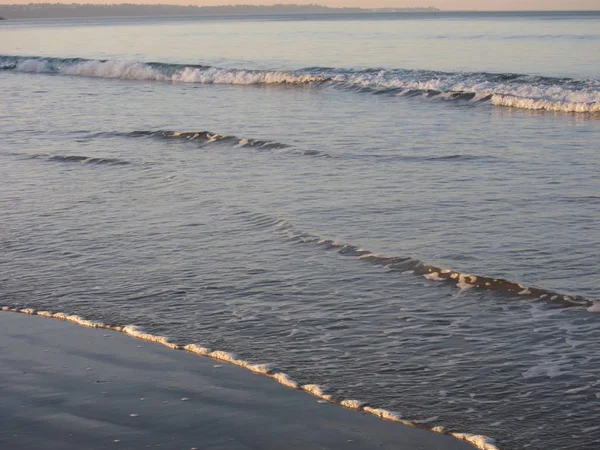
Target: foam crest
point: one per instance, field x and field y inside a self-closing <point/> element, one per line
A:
<point x="140" y="333"/>
<point x="284" y="379"/>
<point x="77" y="319"/>
<point x="385" y="414"/>
<point x="480" y="442"/>
<point x="197" y="349"/>
<point x="319" y="391"/>
<point x="215" y="75"/>
<point x="231" y="358"/>
<point x="507" y="90"/>
<point x="352" y="404"/>
<point x="542" y="104"/>
<point x="135" y="70"/>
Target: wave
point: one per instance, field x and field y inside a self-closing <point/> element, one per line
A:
<point x="208" y="137"/>
<point x="406" y="264"/>
<point x="80" y="159"/>
<point x="507" y="90"/>
<point x="270" y="370"/>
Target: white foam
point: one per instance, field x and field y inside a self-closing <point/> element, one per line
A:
<point x="215" y="75"/>
<point x="284" y="379"/>
<point x="140" y="333"/>
<point x="527" y="93"/>
<point x="263" y="369"/>
<point x="233" y="359"/>
<point x="224" y="356"/>
<point x="78" y="320"/>
<point x="84" y="322"/>
<point x="197" y="349"/>
<point x="435" y="276"/>
<point x="386" y="414"/>
<point x="466" y="281"/>
<point x="131" y="70"/>
<point x="479" y="441"/>
<point x="317" y="391"/>
<point x="545" y="104"/>
<point x="352" y="404"/>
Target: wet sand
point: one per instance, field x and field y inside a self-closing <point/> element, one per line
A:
<point x="63" y="386"/>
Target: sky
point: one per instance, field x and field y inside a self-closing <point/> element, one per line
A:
<point x="473" y="5"/>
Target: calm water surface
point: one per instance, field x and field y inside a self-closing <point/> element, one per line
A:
<point x="346" y="158"/>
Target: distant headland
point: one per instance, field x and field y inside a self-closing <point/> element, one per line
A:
<point x="59" y="10"/>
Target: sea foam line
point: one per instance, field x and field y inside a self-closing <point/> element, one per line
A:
<point x="508" y="90"/>
<point x="270" y="370"/>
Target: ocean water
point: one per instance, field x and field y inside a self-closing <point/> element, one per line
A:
<point x="402" y="209"/>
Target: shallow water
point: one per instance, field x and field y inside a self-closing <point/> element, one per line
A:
<point x="262" y="244"/>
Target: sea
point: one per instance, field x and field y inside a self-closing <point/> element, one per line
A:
<point x="403" y="209"/>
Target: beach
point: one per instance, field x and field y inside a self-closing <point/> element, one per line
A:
<point x="68" y="387"/>
<point x="392" y="212"/>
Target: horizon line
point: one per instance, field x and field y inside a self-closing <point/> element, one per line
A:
<point x="407" y="7"/>
<point x="375" y="9"/>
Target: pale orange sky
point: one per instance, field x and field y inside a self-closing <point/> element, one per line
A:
<point x="482" y="5"/>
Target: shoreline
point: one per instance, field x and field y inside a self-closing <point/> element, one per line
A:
<point x="64" y="335"/>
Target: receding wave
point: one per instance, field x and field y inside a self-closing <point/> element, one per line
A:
<point x="408" y="264"/>
<point x="267" y="369"/>
<point x="404" y="264"/>
<point x="78" y="159"/>
<point x="508" y="90"/>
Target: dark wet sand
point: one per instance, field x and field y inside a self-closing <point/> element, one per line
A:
<point x="63" y="386"/>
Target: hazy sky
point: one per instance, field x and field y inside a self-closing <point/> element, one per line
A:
<point x="442" y="4"/>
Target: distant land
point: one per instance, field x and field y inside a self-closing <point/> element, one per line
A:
<point x="59" y="10"/>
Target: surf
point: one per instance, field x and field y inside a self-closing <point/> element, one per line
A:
<point x="503" y="90"/>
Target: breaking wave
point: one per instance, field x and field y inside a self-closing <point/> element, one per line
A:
<point x="269" y="369"/>
<point x="508" y="90"/>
